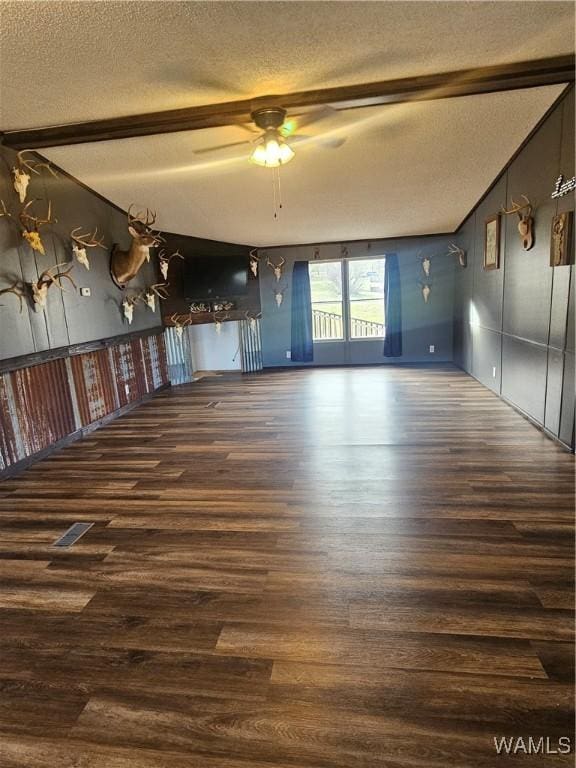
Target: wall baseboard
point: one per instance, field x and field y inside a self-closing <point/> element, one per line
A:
<point x="540" y="427"/>
<point x="20" y="466"/>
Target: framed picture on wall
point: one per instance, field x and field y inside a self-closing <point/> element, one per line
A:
<point x="492" y="242"/>
<point x="561" y="239"/>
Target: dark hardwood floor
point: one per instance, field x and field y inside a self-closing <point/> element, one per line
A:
<point x="309" y="569"/>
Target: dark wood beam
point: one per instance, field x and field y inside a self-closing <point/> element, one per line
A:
<point x="525" y="74"/>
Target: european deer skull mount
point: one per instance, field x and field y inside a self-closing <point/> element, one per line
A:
<point x="254" y="262"/>
<point x="426" y="265"/>
<point x="525" y="221"/>
<point x="124" y="265"/>
<point x="82" y="241"/>
<point x="31" y="226"/>
<point x="21" y="176"/>
<point x="278" y="295"/>
<point x="426" y="289"/>
<point x="252" y="320"/>
<point x="164" y="261"/>
<point x="46" y="281"/>
<point x="455" y="250"/>
<point x="218" y="321"/>
<point x="276" y="268"/>
<point x="180" y="322"/>
<point x="128" y="304"/>
<point x="158" y="289"/>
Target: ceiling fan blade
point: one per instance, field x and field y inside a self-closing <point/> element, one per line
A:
<point x="295" y="124"/>
<point x="221" y="147"/>
<point x="327" y="142"/>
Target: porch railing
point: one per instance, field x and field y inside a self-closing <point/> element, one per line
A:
<point x="328" y="325"/>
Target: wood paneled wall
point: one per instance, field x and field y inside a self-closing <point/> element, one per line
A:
<point x="514" y="327"/>
<point x="44" y="404"/>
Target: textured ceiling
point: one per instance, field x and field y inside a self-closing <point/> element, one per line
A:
<point x="63" y="62"/>
<point x="404" y="169"/>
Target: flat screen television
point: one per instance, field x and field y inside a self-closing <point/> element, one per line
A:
<point x="215" y="277"/>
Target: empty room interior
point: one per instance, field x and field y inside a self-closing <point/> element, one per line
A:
<point x="287" y="384"/>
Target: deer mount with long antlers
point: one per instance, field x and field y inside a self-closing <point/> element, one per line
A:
<point x="38" y="292"/>
<point x="455" y="250"/>
<point x="124" y="265"/>
<point x="525" y="223"/>
<point x="277" y="268"/>
<point x="164" y="261"/>
<point x="21" y="173"/>
<point x="82" y="241"/>
<point x="30" y="224"/>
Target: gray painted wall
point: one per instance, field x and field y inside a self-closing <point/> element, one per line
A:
<point x="69" y="318"/>
<point x="423" y="324"/>
<point x="514" y="327"/>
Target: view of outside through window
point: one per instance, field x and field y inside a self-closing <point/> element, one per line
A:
<point x="364" y="295"/>
<point x="326" y="288"/>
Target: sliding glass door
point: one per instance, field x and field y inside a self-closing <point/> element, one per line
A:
<point x="348" y="299"/>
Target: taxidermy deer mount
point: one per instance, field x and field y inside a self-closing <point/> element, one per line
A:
<point x="21" y="173"/>
<point x="31" y="224"/>
<point x="124" y="265"/>
<point x="455" y="250"/>
<point x="276" y="268"/>
<point x="82" y="241"/>
<point x="219" y="320"/>
<point x="164" y="261"/>
<point x="254" y="262"/>
<point x="38" y="292"/>
<point x="150" y="293"/>
<point x="279" y="295"/>
<point x="525" y="223"/>
<point x="180" y="322"/>
<point x="252" y="319"/>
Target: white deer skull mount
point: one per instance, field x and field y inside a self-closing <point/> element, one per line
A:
<point x="279" y="296"/>
<point x="254" y="262"/>
<point x="426" y="290"/>
<point x="455" y="250"/>
<point x="426" y="265"/>
<point x="277" y="268"/>
<point x="21" y="181"/>
<point x="128" y="309"/>
<point x="164" y="261"/>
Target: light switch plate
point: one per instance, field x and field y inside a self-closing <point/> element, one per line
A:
<point x="288" y="354"/>
<point x="432" y="348"/>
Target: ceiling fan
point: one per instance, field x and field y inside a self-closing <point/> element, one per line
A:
<point x="272" y="147"/>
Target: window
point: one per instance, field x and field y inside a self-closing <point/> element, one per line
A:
<point x="347" y="295"/>
<point x="366" y="298"/>
<point x="326" y="289"/>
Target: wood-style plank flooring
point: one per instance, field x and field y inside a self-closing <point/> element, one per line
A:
<point x="346" y="568"/>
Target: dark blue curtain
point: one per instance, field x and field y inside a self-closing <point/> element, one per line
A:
<point x="302" y="344"/>
<point x="393" y="307"/>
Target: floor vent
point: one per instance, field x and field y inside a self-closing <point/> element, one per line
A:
<point x="73" y="534"/>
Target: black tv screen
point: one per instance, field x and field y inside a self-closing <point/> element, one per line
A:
<point x="215" y="277"/>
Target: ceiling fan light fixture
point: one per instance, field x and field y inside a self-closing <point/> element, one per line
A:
<point x="272" y="151"/>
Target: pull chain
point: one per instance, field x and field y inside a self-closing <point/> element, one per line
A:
<point x="276" y="191"/>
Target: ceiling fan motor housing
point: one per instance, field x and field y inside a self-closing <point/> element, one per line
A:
<point x="269" y="117"/>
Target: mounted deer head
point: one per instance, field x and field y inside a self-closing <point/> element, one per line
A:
<point x="525" y="223"/>
<point x="124" y="265"/>
<point x="82" y="241"/>
<point x="46" y="281"/>
<point x="164" y="261"/>
<point x="455" y="250"/>
<point x="21" y="177"/>
<point x="31" y="226"/>
<point x="254" y="262"/>
<point x="276" y="268"/>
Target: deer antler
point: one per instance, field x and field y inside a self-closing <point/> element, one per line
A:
<point x="516" y="207"/>
<point x="34" y="167"/>
<point x="4" y="211"/>
<point x="50" y="279"/>
<point x="35" y="221"/>
<point x="87" y="240"/>
<point x="18" y="288"/>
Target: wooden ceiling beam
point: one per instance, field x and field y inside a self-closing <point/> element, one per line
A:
<point x="505" y="77"/>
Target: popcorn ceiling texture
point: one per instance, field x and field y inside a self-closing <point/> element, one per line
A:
<point x="404" y="169"/>
<point x="64" y="62"/>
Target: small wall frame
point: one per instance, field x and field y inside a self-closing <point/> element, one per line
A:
<point x="492" y="242"/>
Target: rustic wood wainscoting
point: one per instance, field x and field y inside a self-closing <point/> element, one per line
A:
<point x="333" y="568"/>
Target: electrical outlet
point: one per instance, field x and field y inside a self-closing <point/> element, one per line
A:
<point x="494" y="372"/>
<point x="85" y="292"/>
<point x="288" y="354"/>
<point x="432" y="349"/>
<point x="127" y="389"/>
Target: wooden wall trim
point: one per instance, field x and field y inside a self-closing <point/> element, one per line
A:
<point x="36" y="358"/>
<point x="467" y="82"/>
